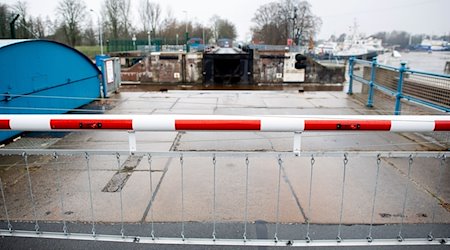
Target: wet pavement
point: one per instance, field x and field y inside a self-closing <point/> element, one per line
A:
<point x="258" y="230"/>
<point x="69" y="175"/>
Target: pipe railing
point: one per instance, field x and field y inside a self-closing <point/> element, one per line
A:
<point x="424" y="88"/>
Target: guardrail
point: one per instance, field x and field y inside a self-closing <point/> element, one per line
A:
<point x="425" y="88"/>
<point x="297" y="171"/>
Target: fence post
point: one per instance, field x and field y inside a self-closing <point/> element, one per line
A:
<point x="371" y="83"/>
<point x="399" y="95"/>
<point x="351" y="63"/>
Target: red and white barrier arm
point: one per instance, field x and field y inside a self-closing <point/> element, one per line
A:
<point x="224" y="123"/>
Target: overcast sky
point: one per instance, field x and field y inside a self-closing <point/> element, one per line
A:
<point x="414" y="16"/>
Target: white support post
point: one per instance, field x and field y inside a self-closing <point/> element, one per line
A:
<point x="297" y="143"/>
<point x="132" y="141"/>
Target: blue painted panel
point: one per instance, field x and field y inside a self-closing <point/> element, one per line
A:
<point x="47" y="69"/>
<point x="31" y="66"/>
<point x="57" y="105"/>
<point x="6" y="135"/>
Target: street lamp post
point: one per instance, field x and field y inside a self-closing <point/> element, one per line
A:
<point x="203" y="33"/>
<point x="294" y="18"/>
<point x="186" y="16"/>
<point x="187" y="33"/>
<point x="100" y="30"/>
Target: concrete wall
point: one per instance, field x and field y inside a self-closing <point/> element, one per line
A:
<point x="267" y="65"/>
<point x="194" y="68"/>
<point x="169" y="67"/>
<point x="321" y="73"/>
<point x="134" y="73"/>
<point x="166" y="68"/>
<point x="179" y="67"/>
<point x="269" y="68"/>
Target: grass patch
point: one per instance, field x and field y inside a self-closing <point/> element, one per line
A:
<point x="89" y="51"/>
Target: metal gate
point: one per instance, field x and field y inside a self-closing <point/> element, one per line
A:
<point x="232" y="193"/>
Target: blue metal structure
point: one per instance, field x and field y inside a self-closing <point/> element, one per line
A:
<point x="371" y="83"/>
<point x="425" y="88"/>
<point x="39" y="76"/>
<point x="351" y="62"/>
<point x="196" y="44"/>
<point x="399" y="94"/>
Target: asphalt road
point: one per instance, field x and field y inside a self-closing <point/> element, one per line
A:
<point x="258" y="230"/>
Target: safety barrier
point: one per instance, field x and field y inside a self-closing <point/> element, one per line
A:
<point x="295" y="124"/>
<point x="425" y="88"/>
<point x="296" y="196"/>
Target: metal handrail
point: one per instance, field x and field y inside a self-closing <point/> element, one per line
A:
<point x="398" y="93"/>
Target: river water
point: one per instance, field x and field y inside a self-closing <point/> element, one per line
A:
<point x="422" y="61"/>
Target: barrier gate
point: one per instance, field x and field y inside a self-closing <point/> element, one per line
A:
<point x="310" y="176"/>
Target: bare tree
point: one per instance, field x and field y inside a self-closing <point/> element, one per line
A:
<point x="124" y="13"/>
<point x="50" y="25"/>
<point x="215" y="21"/>
<point x="278" y="21"/>
<point x="4" y="21"/>
<point x="23" y="23"/>
<point x="227" y="29"/>
<point x="144" y="14"/>
<point x="168" y="20"/>
<point x="305" y="24"/>
<point x="38" y="26"/>
<point x="170" y="27"/>
<point x="117" y="17"/>
<point x="222" y="28"/>
<point x="89" y="36"/>
<point x="112" y="17"/>
<point x="72" y="13"/>
<point x="150" y="14"/>
<point x="201" y="31"/>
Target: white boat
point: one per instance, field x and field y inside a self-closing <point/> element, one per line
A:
<point x="396" y="54"/>
<point x="434" y="45"/>
<point x="359" y="46"/>
<point x="327" y="48"/>
<point x="354" y="45"/>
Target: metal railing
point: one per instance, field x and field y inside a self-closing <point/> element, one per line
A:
<point x="425" y="88"/>
<point x="328" y="182"/>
